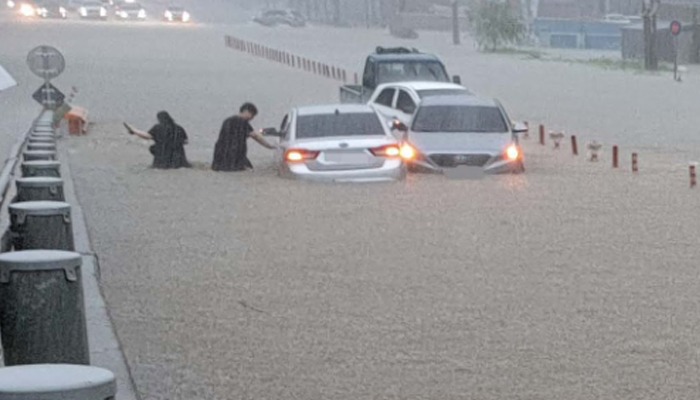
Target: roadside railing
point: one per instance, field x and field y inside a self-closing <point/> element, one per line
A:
<point x="44" y="349"/>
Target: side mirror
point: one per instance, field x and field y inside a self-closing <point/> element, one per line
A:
<point x="457" y="79"/>
<point x="399" y="126"/>
<point x="520" y="127"/>
<point x="271" y="132"/>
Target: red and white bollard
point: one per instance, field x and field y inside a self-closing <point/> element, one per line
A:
<point x="542" y="135"/>
<point x="693" y="175"/>
<point x="635" y="163"/>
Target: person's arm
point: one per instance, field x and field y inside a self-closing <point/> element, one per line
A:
<point x="138" y="132"/>
<point x="258" y="137"/>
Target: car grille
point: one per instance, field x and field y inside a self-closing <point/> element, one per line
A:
<point x="453" y="160"/>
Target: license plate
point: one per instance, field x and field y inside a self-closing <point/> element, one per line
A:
<point x="346" y="158"/>
<point x="464" y="172"/>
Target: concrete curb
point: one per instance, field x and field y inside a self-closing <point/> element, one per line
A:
<point x="105" y="349"/>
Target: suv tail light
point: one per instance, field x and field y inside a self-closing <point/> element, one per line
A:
<point x="389" y="151"/>
<point x="300" y="156"/>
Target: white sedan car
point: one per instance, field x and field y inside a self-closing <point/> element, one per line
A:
<point x="399" y="100"/>
<point x="340" y="143"/>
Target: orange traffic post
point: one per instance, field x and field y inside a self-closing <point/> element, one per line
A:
<point x="635" y="163"/>
<point x="574" y="145"/>
<point x="693" y="176"/>
<point x="615" y="157"/>
<point x="542" y="134"/>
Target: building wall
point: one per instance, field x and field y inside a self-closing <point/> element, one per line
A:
<point x="633" y="45"/>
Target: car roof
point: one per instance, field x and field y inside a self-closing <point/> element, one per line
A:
<point x="331" y="108"/>
<point x="404" y="57"/>
<point x="459" y="100"/>
<point x="422" y="85"/>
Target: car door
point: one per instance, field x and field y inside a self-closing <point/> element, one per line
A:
<point x="405" y="107"/>
<point x="384" y="103"/>
<point x="283" y="141"/>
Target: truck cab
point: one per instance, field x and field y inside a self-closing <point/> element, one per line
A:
<point x="395" y="65"/>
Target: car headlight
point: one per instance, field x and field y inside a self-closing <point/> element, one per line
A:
<point x="168" y="15"/>
<point x="512" y="152"/>
<point x="62" y="10"/>
<point x="83" y="11"/>
<point x="103" y="12"/>
<point x="27" y="10"/>
<point x="10" y="3"/>
<point x="142" y="13"/>
<point x="185" y="16"/>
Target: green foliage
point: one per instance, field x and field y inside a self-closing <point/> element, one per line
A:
<point x="496" y="25"/>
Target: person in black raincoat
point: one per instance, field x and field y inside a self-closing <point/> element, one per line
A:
<point x="231" y="150"/>
<point x="170" y="140"/>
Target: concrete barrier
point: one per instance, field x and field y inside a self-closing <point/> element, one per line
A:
<point x="42" y="315"/>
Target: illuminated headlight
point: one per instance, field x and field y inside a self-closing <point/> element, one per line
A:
<point x="62" y="11"/>
<point x="185" y="16"/>
<point x="512" y="153"/>
<point x="169" y="15"/>
<point x="83" y="11"/>
<point x="27" y="10"/>
<point x="142" y="13"/>
<point x="10" y="3"/>
<point x="123" y="14"/>
<point x="42" y="11"/>
<point x="103" y="12"/>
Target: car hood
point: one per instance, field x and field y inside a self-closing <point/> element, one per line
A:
<point x="460" y="142"/>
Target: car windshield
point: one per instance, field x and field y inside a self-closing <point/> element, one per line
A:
<point x="329" y="125"/>
<point x="459" y="118"/>
<point x="411" y="71"/>
<point x="441" y="92"/>
<point x="176" y="9"/>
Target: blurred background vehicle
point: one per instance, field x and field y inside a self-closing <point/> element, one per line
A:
<point x="52" y="9"/>
<point x="26" y="8"/>
<point x="281" y="17"/>
<point x="92" y="9"/>
<point x="176" y="14"/>
<point x="131" y="11"/>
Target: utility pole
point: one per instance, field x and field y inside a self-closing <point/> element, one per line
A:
<point x="649" y="10"/>
<point x="455" y="23"/>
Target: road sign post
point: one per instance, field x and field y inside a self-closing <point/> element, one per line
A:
<point x="47" y="63"/>
<point x="49" y="96"/>
<point x="676" y="28"/>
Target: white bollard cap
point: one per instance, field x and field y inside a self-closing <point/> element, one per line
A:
<point x="56" y="381"/>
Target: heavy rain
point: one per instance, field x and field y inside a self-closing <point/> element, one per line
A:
<point x="350" y="199"/>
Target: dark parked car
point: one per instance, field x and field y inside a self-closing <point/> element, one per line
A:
<point x="281" y="17"/>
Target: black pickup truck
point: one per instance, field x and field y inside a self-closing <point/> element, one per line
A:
<point x="397" y="64"/>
